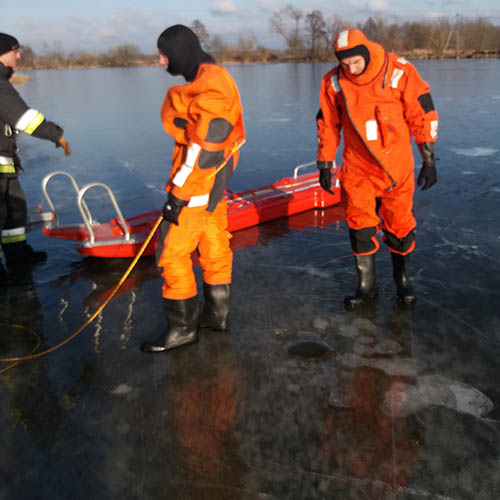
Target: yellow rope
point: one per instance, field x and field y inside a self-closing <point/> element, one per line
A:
<point x="20" y="327"/>
<point x="229" y="156"/>
<point x="104" y="304"/>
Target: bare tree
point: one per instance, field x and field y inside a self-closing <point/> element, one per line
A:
<point x="219" y="48"/>
<point x="247" y="44"/>
<point x="279" y="23"/>
<point x="201" y="32"/>
<point x="124" y="55"/>
<point x="334" y="27"/>
<point x="54" y="54"/>
<point x="27" y="57"/>
<point x="315" y="31"/>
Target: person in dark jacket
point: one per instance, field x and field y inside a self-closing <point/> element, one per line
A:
<point x="15" y="116"/>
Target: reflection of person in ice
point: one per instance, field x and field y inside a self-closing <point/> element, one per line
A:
<point x="33" y="403"/>
<point x="204" y="404"/>
<point x="105" y="273"/>
<point x="371" y="449"/>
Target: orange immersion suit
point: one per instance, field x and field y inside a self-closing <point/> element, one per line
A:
<point x="204" y="116"/>
<point x="379" y="111"/>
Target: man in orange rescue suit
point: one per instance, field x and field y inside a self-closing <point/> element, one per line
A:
<point x="204" y="116"/>
<point x="379" y="101"/>
<point x="15" y="116"/>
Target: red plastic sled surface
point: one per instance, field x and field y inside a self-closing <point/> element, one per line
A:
<point x="286" y="197"/>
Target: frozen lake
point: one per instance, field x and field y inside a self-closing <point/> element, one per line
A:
<point x="403" y="405"/>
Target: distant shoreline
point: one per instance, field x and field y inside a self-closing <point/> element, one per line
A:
<point x="416" y="54"/>
<point x="19" y="78"/>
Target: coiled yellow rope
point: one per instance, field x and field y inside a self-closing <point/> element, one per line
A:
<point x="17" y="360"/>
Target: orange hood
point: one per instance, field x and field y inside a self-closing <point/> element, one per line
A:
<point x="353" y="42"/>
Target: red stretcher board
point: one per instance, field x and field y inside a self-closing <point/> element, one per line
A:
<point x="249" y="208"/>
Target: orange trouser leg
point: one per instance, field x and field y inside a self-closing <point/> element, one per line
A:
<point x="175" y="257"/>
<point x="216" y="256"/>
<point x="360" y="201"/>
<point x="398" y="222"/>
<point x="396" y="211"/>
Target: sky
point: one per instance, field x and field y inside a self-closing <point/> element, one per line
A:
<point x="97" y="26"/>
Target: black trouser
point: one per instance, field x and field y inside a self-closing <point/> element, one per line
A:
<point x="13" y="211"/>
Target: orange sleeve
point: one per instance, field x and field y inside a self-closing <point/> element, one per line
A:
<point x="328" y="120"/>
<point x="419" y="111"/>
<point x="213" y="113"/>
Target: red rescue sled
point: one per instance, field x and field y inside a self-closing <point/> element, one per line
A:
<point x="123" y="237"/>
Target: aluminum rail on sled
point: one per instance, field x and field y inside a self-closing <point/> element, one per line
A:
<point x="84" y="210"/>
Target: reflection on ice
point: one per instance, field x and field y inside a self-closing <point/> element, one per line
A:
<point x="403" y="399"/>
<point x="405" y="405"/>
<point x="476" y="151"/>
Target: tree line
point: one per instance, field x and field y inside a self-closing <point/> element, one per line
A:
<point x="310" y="35"/>
<point x="307" y="36"/>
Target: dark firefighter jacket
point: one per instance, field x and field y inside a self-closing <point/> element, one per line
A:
<point x="16" y="116"/>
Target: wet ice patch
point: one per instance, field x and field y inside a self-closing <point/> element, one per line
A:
<point x="308" y="345"/>
<point x="312" y="271"/>
<point x="359" y="326"/>
<point x="407" y="367"/>
<point x="308" y="349"/>
<point x="277" y="119"/>
<point x="395" y="367"/>
<point x="122" y="389"/>
<point x="388" y="347"/>
<point x="385" y="347"/>
<point x="321" y="323"/>
<point x="435" y="390"/>
<point x="470" y="400"/>
<point x="123" y="428"/>
<point x="476" y="151"/>
<point x="340" y="397"/>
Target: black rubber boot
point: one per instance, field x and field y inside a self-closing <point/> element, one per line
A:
<point x="400" y="272"/>
<point x="367" y="287"/>
<point x="182" y="316"/>
<point x="216" y="311"/>
<point x="21" y="254"/>
<point x="20" y="259"/>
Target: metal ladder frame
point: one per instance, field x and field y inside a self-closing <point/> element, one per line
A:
<point x="82" y="205"/>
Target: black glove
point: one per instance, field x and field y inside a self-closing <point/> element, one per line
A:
<point x="428" y="174"/>
<point x="172" y="209"/>
<point x="325" y="175"/>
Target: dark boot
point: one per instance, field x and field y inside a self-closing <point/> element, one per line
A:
<point x="367" y="288"/>
<point x="216" y="310"/>
<point x="21" y="254"/>
<point x="400" y="272"/>
<point x="182" y="316"/>
<point x="21" y="258"/>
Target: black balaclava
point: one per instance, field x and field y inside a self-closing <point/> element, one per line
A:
<point x="183" y="50"/>
<point x="7" y="43"/>
<point x="358" y="50"/>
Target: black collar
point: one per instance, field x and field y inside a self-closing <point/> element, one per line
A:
<point x="5" y="71"/>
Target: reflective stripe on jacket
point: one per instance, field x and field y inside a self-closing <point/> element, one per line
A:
<point x="377" y="118"/>
<point x="16" y="116"/>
